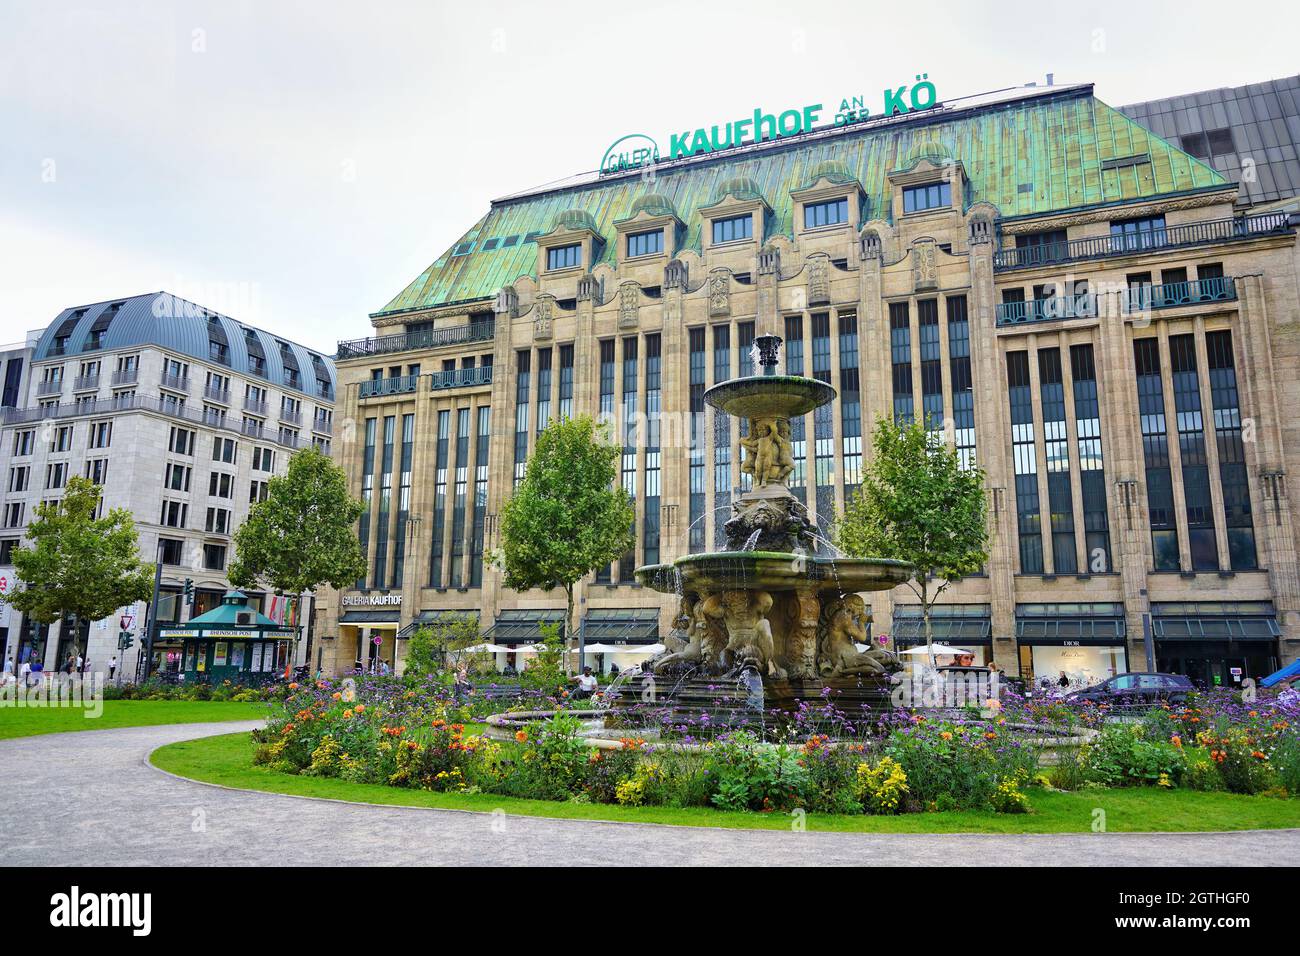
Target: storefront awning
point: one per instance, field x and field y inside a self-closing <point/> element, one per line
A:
<point x="1083" y="624"/>
<point x="523" y="626"/>
<point x="955" y="624"/>
<point x="1215" y="621"/>
<point x="633" y="625"/>
<point x="370" y="617"/>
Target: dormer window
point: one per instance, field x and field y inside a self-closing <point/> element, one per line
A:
<point x="733" y="229"/>
<point x="831" y="213"/>
<point x="645" y="243"/>
<point x="929" y="196"/>
<point x="564" y="257"/>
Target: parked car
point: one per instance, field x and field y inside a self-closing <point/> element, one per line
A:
<point x="1137" y="688"/>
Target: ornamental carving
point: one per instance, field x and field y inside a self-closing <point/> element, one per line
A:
<point x="629" y="305"/>
<point x="925" y="266"/>
<point x="720" y="293"/>
<point x="543" y="314"/>
<point x="819" y="280"/>
<point x="1105" y="215"/>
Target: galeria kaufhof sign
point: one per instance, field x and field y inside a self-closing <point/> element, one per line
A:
<point x="637" y="150"/>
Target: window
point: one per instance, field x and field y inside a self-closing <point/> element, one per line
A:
<point x="170" y="550"/>
<point x="1025" y="460"/>
<point x="56" y="474"/>
<point x="220" y="485"/>
<point x="181" y="441"/>
<point x="24" y="442"/>
<point x="223" y="450"/>
<point x="97" y="470"/>
<point x="263" y="459"/>
<point x="13" y="516"/>
<point x="218" y="521"/>
<point x="564" y="257"/>
<point x="20" y="477"/>
<point x="174" y="514"/>
<point x="645" y="243"/>
<point x="177" y="477"/>
<point x="825" y="213"/>
<point x="7" y="546"/>
<point x="733" y="229"/>
<point x="1232" y="454"/>
<point x="1132" y="234"/>
<point x="214" y="557"/>
<point x="1155" y="448"/>
<point x="257" y="491"/>
<point x="931" y="196"/>
<point x="62" y="440"/>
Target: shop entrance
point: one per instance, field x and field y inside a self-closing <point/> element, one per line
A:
<point x="1215" y="664"/>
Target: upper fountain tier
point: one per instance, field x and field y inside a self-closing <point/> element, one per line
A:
<point x="769" y="396"/>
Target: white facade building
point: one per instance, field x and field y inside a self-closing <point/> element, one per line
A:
<point x="182" y="416"/>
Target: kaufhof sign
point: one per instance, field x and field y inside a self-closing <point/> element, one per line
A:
<point x="371" y="600"/>
<point x="637" y="150"/>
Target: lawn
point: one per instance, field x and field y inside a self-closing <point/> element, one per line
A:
<point x="30" y="721"/>
<point x="228" y="760"/>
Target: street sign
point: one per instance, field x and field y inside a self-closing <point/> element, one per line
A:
<point x="377" y="641"/>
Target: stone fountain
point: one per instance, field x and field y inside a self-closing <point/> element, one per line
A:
<point x="769" y="608"/>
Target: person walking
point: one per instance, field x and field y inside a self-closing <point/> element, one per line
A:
<point x="9" y="667"/>
<point x="112" y="667"/>
<point x="25" y="673"/>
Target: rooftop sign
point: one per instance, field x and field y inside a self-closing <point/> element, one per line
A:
<point x="638" y="151"/>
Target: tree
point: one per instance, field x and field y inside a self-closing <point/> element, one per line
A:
<point x="79" y="566"/>
<point x="441" y="644"/>
<point x="917" y="504"/>
<point x="568" y="517"/>
<point x="301" y="536"/>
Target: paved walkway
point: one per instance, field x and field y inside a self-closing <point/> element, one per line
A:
<point x="96" y="801"/>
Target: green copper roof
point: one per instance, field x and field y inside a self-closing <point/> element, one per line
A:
<point x="1033" y="155"/>
<point x="226" y="614"/>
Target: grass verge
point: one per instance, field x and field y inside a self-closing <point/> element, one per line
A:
<point x="228" y="760"/>
<point x="31" y="721"/>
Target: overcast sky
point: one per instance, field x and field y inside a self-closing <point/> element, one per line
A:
<point x="295" y="165"/>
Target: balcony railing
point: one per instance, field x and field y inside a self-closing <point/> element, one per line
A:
<point x="292" y="418"/>
<point x="126" y="376"/>
<point x="83" y="383"/>
<point x="254" y="406"/>
<point x="219" y="395"/>
<point x="322" y="426"/>
<point x="1172" y="294"/>
<point x="177" y="383"/>
<point x="396" y="385"/>
<point x="461" y="377"/>
<point x="124" y="403"/>
<point x="428" y="339"/>
<point x="252" y="429"/>
<point x="49" y="388"/>
<point x="1170" y="237"/>
<point x="1083" y="306"/>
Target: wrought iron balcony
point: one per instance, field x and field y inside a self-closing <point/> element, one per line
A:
<point x="49" y="388"/>
<point x="461" y="377"/>
<point x="292" y="418"/>
<point x="177" y="383"/>
<point x="323" y="426"/>
<point x="126" y="376"/>
<point x="219" y="395"/>
<point x="408" y="341"/>
<point x="396" y="385"/>
<point x="1082" y="306"/>
<point x="1170" y="237"/>
<point x="1172" y="294"/>
<point x="254" y="406"/>
<point x="84" y="383"/>
<point x="252" y="429"/>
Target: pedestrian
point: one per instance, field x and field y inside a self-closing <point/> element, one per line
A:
<point x="9" y="667"/>
<point x="25" y="673"/>
<point x="112" y="667"/>
<point x="80" y="662"/>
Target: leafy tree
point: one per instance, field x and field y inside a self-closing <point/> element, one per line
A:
<point x="568" y="517"/>
<point x="442" y="644"/>
<point x="301" y="536"/>
<point x="77" y="566"/>
<point x="545" y="670"/>
<point x="917" y="504"/>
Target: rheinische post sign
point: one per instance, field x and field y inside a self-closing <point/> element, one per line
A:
<point x="637" y="150"/>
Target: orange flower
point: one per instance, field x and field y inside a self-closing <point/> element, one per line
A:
<point x="360" y="708"/>
<point x="294" y="686"/>
<point x="946" y="735"/>
<point x="1259" y="755"/>
<point x="338" y="696"/>
<point x="1176" y="740"/>
<point x="521" y="735"/>
<point x="347" y="714"/>
<point x="990" y="735"/>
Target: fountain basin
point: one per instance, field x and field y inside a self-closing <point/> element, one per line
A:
<point x="772" y="571"/>
<point x="769" y="396"/>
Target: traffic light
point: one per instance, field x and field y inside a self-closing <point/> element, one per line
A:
<point x="125" y="641"/>
<point x="189" y="592"/>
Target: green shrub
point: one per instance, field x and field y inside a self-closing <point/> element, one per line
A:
<point x="1121" y="756"/>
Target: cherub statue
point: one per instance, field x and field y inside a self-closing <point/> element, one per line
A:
<point x="844" y="626"/>
<point x="749" y="635"/>
<point x="764" y="449"/>
<point x="704" y="640"/>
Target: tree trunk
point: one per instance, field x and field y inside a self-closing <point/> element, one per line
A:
<point x="925" y="621"/>
<point x="568" y="632"/>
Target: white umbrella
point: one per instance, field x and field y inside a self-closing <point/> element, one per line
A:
<point x="601" y="649"/>
<point x="643" y="649"/>
<point x="486" y="648"/>
<point x="939" y="649"/>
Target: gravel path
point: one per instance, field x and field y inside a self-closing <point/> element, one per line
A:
<point x="95" y="800"/>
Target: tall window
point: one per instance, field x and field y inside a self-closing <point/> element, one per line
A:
<point x="543" y="388"/>
<point x="930" y="196"/>
<point x="653" y="407"/>
<point x="1025" y="461"/>
<point x="607" y="373"/>
<point x="1134" y="234"/>
<point x="1191" y="445"/>
<point x="566" y="381"/>
<point x="522" y="375"/>
<point x="627" y="564"/>
<point x="1155" y="449"/>
<point x="481" y="448"/>
<point x="900" y="350"/>
<point x="798" y="429"/>
<point x="959" y="378"/>
<point x="850" y="404"/>
<point x="721" y="431"/>
<point x="439" y="499"/>
<point x="385" y="503"/>
<point x="403" y="499"/>
<point x="698" y="471"/>
<point x="367" y="490"/>
<point x="927" y="313"/>
<point x="733" y="229"/>
<point x="1056" y="445"/>
<point x="825" y="213"/>
<point x="823" y="420"/>
<point x="458" y="505"/>
<point x="1232" y="455"/>
<point x="1092" y="474"/>
<point x="564" y="257"/>
<point x="645" y="243"/>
